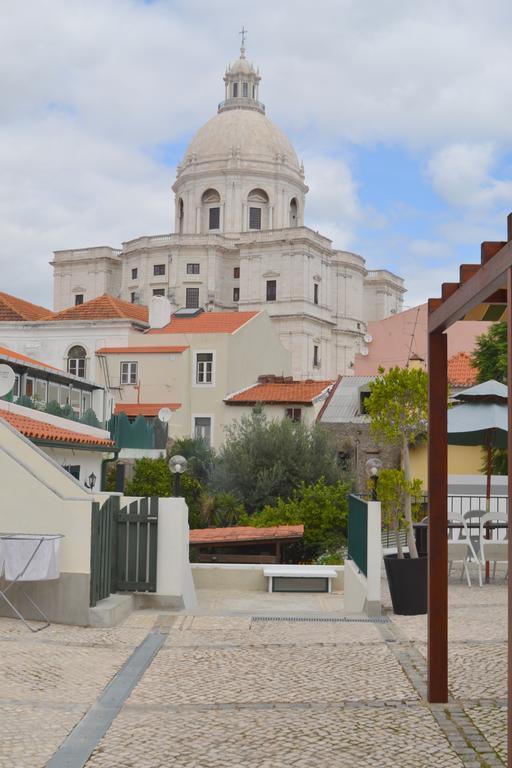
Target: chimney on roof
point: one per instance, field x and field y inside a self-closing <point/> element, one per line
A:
<point x="159" y="312"/>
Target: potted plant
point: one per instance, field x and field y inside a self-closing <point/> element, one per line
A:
<point x="397" y="407"/>
<point x="407" y="577"/>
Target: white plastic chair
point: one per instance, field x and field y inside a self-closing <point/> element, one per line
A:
<point x="493" y="550"/>
<point x="461" y="548"/>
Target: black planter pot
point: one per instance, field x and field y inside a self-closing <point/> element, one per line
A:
<point x="407" y="579"/>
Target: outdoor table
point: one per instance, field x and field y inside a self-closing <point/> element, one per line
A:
<point x="28" y="557"/>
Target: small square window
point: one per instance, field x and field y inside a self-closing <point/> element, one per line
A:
<point x="316" y="356"/>
<point x="128" y="372"/>
<point x="254" y="218"/>
<point x="271" y="290"/>
<point x="236" y="294"/>
<point x="79" y="299"/>
<point x="315" y="292"/>
<point x="363" y="397"/>
<point x="214" y="220"/>
<point x="158" y="269"/>
<point x="193" y="269"/>
<point x="192" y="298"/>
<point x="135" y="273"/>
<point x="158" y="291"/>
<point x="236" y="272"/>
<point x="295" y="414"/>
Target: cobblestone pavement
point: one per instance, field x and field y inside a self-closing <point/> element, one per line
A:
<point x="244" y="691"/>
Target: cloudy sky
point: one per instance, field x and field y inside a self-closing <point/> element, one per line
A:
<point x="399" y="108"/>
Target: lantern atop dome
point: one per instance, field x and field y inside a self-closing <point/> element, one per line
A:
<point x="242" y="82"/>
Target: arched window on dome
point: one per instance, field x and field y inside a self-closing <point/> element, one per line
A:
<point x="293" y="212"/>
<point x="210" y="211"/>
<point x="77" y="361"/>
<point x="235" y="90"/>
<point x="181" y="215"/>
<point x="258" y="206"/>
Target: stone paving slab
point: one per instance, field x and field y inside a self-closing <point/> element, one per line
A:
<point x="339" y="738"/>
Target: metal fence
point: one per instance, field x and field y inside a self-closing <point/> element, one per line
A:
<point x="357" y="536"/>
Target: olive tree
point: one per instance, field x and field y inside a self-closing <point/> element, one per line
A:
<point x="397" y="407"/>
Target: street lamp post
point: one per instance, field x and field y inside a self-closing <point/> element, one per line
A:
<point x="372" y="468"/>
<point x="177" y="465"/>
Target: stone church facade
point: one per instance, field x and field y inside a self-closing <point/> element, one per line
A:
<point x="240" y="242"/>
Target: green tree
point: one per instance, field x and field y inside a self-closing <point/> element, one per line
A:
<point x="263" y="460"/>
<point x="397" y="407"/>
<point x="152" y="477"/>
<point x="490" y="354"/>
<point x="490" y="360"/>
<point x="199" y="455"/>
<point x="392" y="488"/>
<point x="89" y="417"/>
<point x="321" y="508"/>
<point x="53" y="408"/>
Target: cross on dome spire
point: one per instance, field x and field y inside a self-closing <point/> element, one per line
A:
<point x="243" y="32"/>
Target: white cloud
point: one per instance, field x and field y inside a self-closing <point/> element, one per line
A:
<point x="92" y="88"/>
<point x="461" y="174"/>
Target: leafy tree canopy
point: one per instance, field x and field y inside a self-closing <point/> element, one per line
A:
<point x="199" y="455"/>
<point x="397" y="405"/>
<point x="263" y="460"/>
<point x="321" y="508"/>
<point x="490" y="354"/>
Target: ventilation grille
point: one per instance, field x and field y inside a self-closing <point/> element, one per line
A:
<point x="326" y="619"/>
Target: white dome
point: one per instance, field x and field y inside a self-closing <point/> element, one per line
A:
<point x="246" y="131"/>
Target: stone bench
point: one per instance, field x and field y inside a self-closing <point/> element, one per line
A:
<point x="299" y="578"/>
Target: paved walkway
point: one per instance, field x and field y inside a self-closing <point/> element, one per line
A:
<point x="238" y="686"/>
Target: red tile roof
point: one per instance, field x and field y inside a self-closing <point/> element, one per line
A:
<point x="461" y="371"/>
<point x="46" y="432"/>
<point x="103" y="308"/>
<point x="303" y="392"/>
<point x="138" y="350"/>
<point x="10" y="353"/>
<point x="144" y="409"/>
<point x="237" y="533"/>
<point x="207" y="322"/>
<point x="12" y="308"/>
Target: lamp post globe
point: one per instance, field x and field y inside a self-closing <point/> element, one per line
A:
<point x="177" y="465"/>
<point x="372" y="468"/>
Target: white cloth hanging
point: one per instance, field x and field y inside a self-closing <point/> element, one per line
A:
<point x="29" y="557"/>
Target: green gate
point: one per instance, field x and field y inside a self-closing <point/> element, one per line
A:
<point x="123" y="547"/>
<point x="357" y="538"/>
<point x="103" y="523"/>
<point x="135" y="545"/>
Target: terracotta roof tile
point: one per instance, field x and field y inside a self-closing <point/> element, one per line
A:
<point x="144" y="409"/>
<point x="303" y="392"/>
<point x="461" y="371"/>
<point x="44" y="431"/>
<point x="10" y="353"/>
<point x="207" y="322"/>
<point x="138" y="350"/>
<point x="12" y="308"/>
<point x="103" y="308"/>
<point x="245" y="533"/>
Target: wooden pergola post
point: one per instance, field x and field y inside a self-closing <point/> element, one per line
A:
<point x="509" y="469"/>
<point x="437" y="519"/>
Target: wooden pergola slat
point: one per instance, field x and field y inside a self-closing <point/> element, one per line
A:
<point x="490" y="283"/>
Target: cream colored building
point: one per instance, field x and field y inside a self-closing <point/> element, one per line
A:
<point x="241" y="243"/>
<point x="190" y="365"/>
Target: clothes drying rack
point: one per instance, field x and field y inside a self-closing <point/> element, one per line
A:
<point x="28" y="557"/>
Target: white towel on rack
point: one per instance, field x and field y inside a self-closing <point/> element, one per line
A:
<point x="17" y="551"/>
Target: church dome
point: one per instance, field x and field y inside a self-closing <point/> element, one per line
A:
<point x="244" y="133"/>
